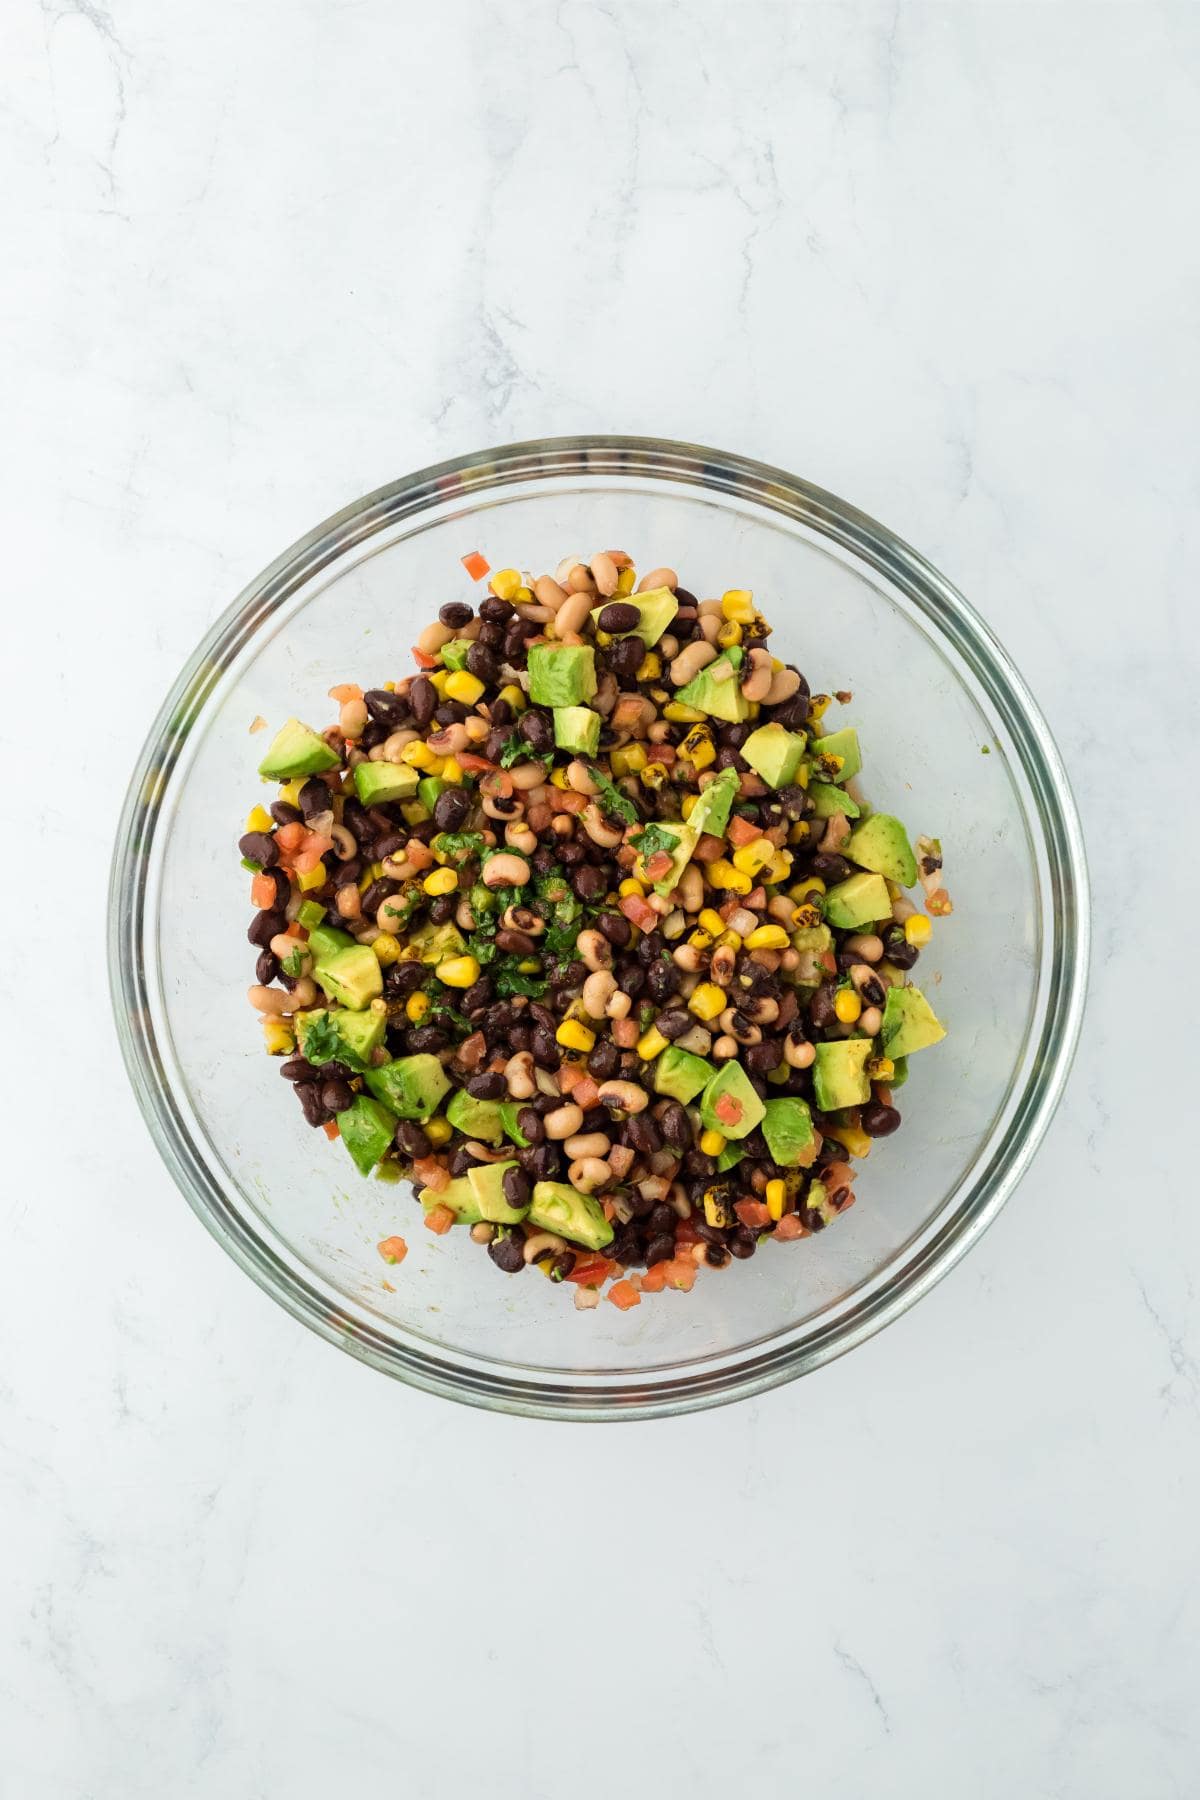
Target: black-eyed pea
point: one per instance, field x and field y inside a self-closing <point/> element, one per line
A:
<point x="548" y="592"/>
<point x="798" y="1055"/>
<point x="658" y="578"/>
<point x="433" y="637"/>
<point x="587" y="1143"/>
<point x="352" y="719"/>
<point x="564" y="1121"/>
<point x="724" y="1047"/>
<point x="604" y="574"/>
<point x="784" y="684"/>
<point x="691" y="659"/>
<point x="594" y="949"/>
<point x="598" y="990"/>
<point x="505" y="870"/>
<point x="866" y="945"/>
<point x="518" y="1075"/>
<point x="273" y="1002"/>
<point x="871" y="1021"/>
<point x="618" y="1005"/>
<point x="482" y="1233"/>
<point x="599" y="830"/>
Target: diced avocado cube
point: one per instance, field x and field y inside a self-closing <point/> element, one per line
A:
<point x="729" y="1104"/>
<point x="656" y="608"/>
<point x="683" y="842"/>
<point x="860" y="900"/>
<point x="557" y="1207"/>
<point x="487" y="1185"/>
<point x="350" y="1037"/>
<point x="774" y="753"/>
<point x="577" y="728"/>
<point x="297" y="750"/>
<point x="561" y="674"/>
<point x="435" y="943"/>
<point x="428" y="789"/>
<point x="366" y="1128"/>
<point x="788" y="1128"/>
<point x="379" y="783"/>
<point x="412" y="1086"/>
<point x="881" y="843"/>
<point x="729" y="1158"/>
<point x="718" y="696"/>
<point x="710" y="815"/>
<point x="510" y="1111"/>
<point x="909" y="1023"/>
<point x="680" y="1075"/>
<point x="352" y="976"/>
<point x="840" y="1073"/>
<point x="828" y="800"/>
<point x="477" y="1118"/>
<point x="844" y="744"/>
<point x="326" y="940"/>
<point x="458" y="1195"/>
<point x="454" y="654"/>
<point x="899" y="1074"/>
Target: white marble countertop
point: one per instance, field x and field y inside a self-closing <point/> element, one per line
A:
<point x="261" y="258"/>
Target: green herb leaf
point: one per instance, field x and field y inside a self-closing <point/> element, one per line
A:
<point x="612" y="800"/>
<point x="509" y="981"/>
<point x="458" y="846"/>
<point x="293" y="964"/>
<point x="649" y="842"/>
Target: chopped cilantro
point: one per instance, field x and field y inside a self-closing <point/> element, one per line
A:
<point x="457" y="846"/>
<point x="649" y="842"/>
<point x="509" y="980"/>
<point x="294" y="964"/>
<point x="612" y="800"/>
<point x="322" y="1043"/>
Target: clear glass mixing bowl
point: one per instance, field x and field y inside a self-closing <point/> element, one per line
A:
<point x="952" y="742"/>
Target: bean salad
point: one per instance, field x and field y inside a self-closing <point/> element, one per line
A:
<point x="587" y="931"/>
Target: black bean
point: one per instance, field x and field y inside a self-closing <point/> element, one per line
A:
<point x="481" y="662"/>
<point x="495" y="610"/>
<point x="699" y="1167"/>
<point x="427" y="1037"/>
<point x="604" y="1059"/>
<point x="410" y="1140"/>
<point x="760" y="1059"/>
<point x="615" y="927"/>
<point x="478" y="996"/>
<point x="449" y="712"/>
<point x="489" y="1086"/>
<point x="283" y="814"/>
<point x="335" y="1095"/>
<point x="791" y="714"/>
<point x="660" y="1249"/>
<point x="545" y="1051"/>
<point x="422" y="700"/>
<point x="674" y="1024"/>
<point x="625" y="659"/>
<point x="640" y="1133"/>
<point x="530" y="1126"/>
<point x="619" y="616"/>
<point x="516" y="1187"/>
<point x="660" y="1219"/>
<point x="380" y="890"/>
<point x="266" y="969"/>
<point x="502" y="713"/>
<point x="742" y="1246"/>
<point x="716" y="1256"/>
<point x="265" y="926"/>
<point x="490" y="634"/>
<point x="590" y="883"/>
<point x="517" y="943"/>
<point x="537" y="731"/>
<point x="507" y="1251"/>
<point x="541" y="1161"/>
<point x="675" y="1126"/>
<point x="821" y="1008"/>
<point x="830" y="867"/>
<point x="455" y="614"/>
<point x="259" y="847"/>
<point x="662" y="979"/>
<point x="632" y="978"/>
<point x="309" y="1095"/>
<point x="451" y="809"/>
<point x="443" y="908"/>
<point x="878" y="1120"/>
<point x="297" y="1068"/>
<point x="520" y="1037"/>
<point x="562" y="1265"/>
<point x="898" y="950"/>
<point x="402" y="978"/>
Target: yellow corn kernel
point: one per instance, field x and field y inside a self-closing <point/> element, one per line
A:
<point x="629" y="759"/>
<point x="917" y="930"/>
<point x="418" y="755"/>
<point x="387" y="949"/>
<point x="806" y="918"/>
<point x="729" y="634"/>
<point x="679" y="714"/>
<point x="505" y="582"/>
<point x="818" y="706"/>
<point x="650" y="667"/>
<point x="278" y="1037"/>
<point x="753" y="708"/>
<point x="439" y="678"/>
<point x="390" y="686"/>
<point x="523" y="595"/>
<point x="653" y="775"/>
<point x="558" y="778"/>
<point x="631" y="885"/>
<point x="415" y="1008"/>
<point x="799" y="832"/>
<point x="776" y="1197"/>
<point x="711" y="1143"/>
<point x="738" y="603"/>
<point x="289" y="793"/>
<point x="458" y="971"/>
<point x="530" y="966"/>
<point x="438" y="1131"/>
<point x="464" y="687"/>
<point x="573" y="1034"/>
<point x="723" y="874"/>
<point x="625" y="581"/>
<point x="701" y="940"/>
<point x="802" y="774"/>
<point x="750" y="858"/>
<point x="711" y="921"/>
<point x="698" y="747"/>
<point x="515" y="695"/>
<point x="729" y="940"/>
<point x="811" y="885"/>
<point x="707" y="1000"/>
<point x="659" y="695"/>
<point x="452" y="772"/>
<point x="688" y="805"/>
<point x="780" y="1073"/>
<point x="847" y="1005"/>
<point x="259" y="819"/>
<point x="603" y="638"/>
<point x="313" y="878"/>
<point x="651" y="1044"/>
<point x="855" y="1141"/>
<point x="779" y="867"/>
<point x="415" y="813"/>
<point x="440" y="881"/>
<point x="767" y="937"/>
<point x="881" y="1068"/>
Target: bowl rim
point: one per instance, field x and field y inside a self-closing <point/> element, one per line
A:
<point x="952" y="618"/>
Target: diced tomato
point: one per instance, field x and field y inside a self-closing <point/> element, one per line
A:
<point x="466" y="760"/>
<point x="838" y="1174"/>
<point x="345" y="690"/>
<point x="829" y="962"/>
<point x="609" y="1210"/>
<point x="729" y="1109"/>
<point x="655" y="1279"/>
<point x="393" y="1249"/>
<point x="262" y="892"/>
<point x="569" y="1076"/>
<point x="883" y="1094"/>
<point x="305" y="861"/>
<point x="477" y="566"/>
<point x="680" y="1273"/>
<point x="291" y="837"/>
<point x="297" y="931"/>
<point x="659" y="866"/>
<point x="422" y="660"/>
<point x="638" y="913"/>
<point x="439" y="1219"/>
<point x="756" y="899"/>
<point x="585" y="1091"/>
<point x="743" y="831"/>
<point x="431" y="1173"/>
<point x="790" y="1227"/>
<point x="592" y="1270"/>
<point x="708" y="848"/>
<point x="624" y="1295"/>
<point x="752" y="1213"/>
<point x="330" y="1128"/>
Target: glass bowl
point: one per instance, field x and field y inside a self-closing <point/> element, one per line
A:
<point x="953" y="742"/>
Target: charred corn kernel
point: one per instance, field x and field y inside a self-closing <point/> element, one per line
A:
<point x="650" y="667"/>
<point x="812" y="884"/>
<point x="278" y="1037"/>
<point x="711" y="921"/>
<point x="653" y="775"/>
<point x="767" y="937"/>
<point x="515" y="695"/>
<point x="439" y="678"/>
<point x="798" y="833"/>
<point x="698" y="747"/>
<point x="717" y="1210"/>
<point x="818" y="706"/>
<point x="458" y="971"/>
<point x="523" y="595"/>
<point x="603" y="638"/>
<point x="418" y="755"/>
<point x="881" y="1068"/>
<point x="712" y="1143"/>
<point x="779" y="867"/>
<point x="312" y="878"/>
<point x="701" y="940"/>
<point x="387" y="949"/>
<point x="806" y="918"/>
<point x="415" y="813"/>
<point x="729" y="634"/>
<point x="917" y="930"/>
<point x="776" y="1198"/>
<point x="802" y="774"/>
<point x="289" y="793"/>
<point x="723" y="874"/>
<point x="753" y="857"/>
<point x="464" y="687"/>
<point x="631" y="885"/>
<point x="847" y="1005"/>
<point x="738" y="603"/>
<point x="629" y="759"/>
<point x="679" y="714"/>
<point x="390" y="686"/>
<point x="573" y="1034"/>
<point x="625" y="581"/>
<point x="558" y="778"/>
<point x="729" y="940"/>
<point x="659" y="695"/>
<point x="259" y="819"/>
<point x="452" y="772"/>
<point x="440" y="881"/>
<point x="415" y="1008"/>
<point x="531" y="966"/>
<point x="651" y="1044"/>
<point x="707" y="1000"/>
<point x="505" y="583"/>
<point x="688" y="805"/>
<point x="438" y="1131"/>
<point x="855" y="1141"/>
